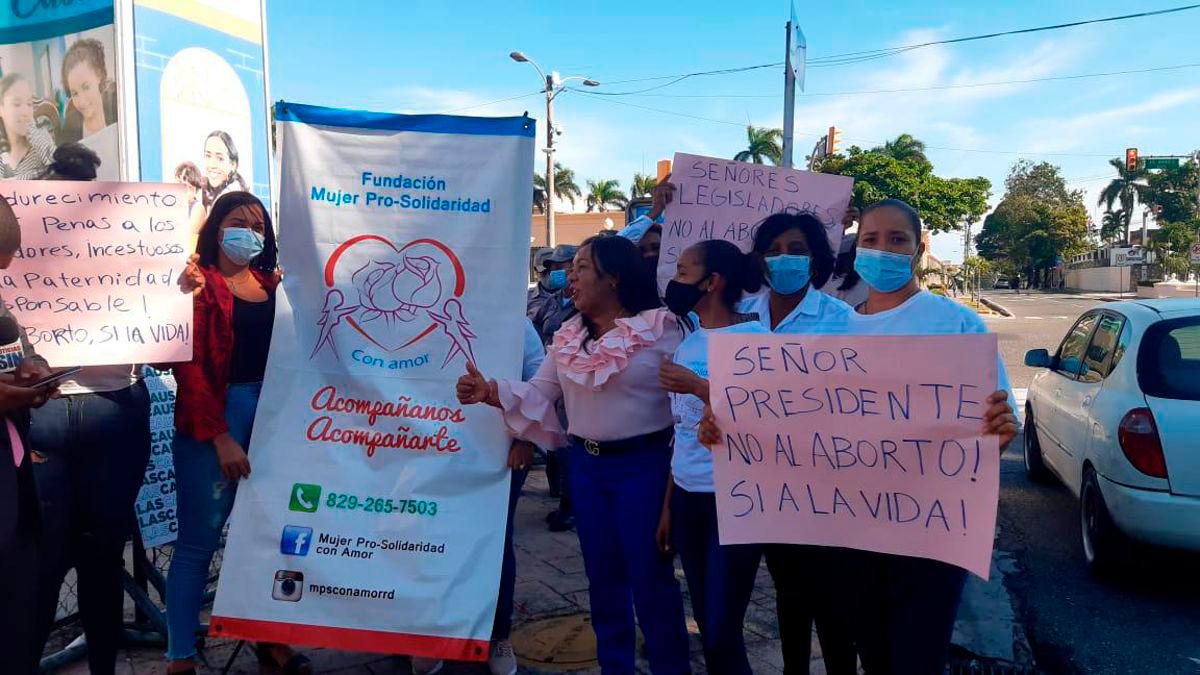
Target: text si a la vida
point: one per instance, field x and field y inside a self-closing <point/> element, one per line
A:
<point x="385" y="190"/>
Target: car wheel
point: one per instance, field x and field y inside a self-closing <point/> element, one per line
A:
<point x="1101" y="538"/>
<point x="1035" y="465"/>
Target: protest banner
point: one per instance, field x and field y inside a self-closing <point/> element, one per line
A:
<point x="870" y="443"/>
<point x="155" y="504"/>
<point x="723" y="199"/>
<point x="95" y="280"/>
<point x="374" y="517"/>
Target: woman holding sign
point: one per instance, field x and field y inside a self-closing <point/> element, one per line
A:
<point x="708" y="283"/>
<point x="234" y="312"/>
<point x="603" y="364"/>
<point x="908" y="605"/>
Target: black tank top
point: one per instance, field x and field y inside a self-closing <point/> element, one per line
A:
<point x="252" y="324"/>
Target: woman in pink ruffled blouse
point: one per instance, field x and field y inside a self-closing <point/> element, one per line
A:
<point x="603" y="364"/>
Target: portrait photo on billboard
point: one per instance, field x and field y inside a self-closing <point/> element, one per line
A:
<point x="201" y="96"/>
<point x="54" y="91"/>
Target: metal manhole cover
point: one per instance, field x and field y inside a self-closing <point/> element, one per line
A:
<point x="559" y="644"/>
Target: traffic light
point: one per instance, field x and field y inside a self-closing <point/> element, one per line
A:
<point x="1131" y="159"/>
<point x="832" y="140"/>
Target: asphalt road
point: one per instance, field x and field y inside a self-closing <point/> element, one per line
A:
<point x="1147" y="619"/>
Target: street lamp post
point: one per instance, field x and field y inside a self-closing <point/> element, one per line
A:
<point x="554" y="85"/>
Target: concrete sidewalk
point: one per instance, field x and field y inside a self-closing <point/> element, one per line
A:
<point x="551" y="630"/>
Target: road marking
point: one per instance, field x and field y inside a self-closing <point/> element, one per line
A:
<point x="1060" y="316"/>
<point x="1029" y="317"/>
<point x="1021" y="394"/>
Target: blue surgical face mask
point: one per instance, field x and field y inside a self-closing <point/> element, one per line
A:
<point x="788" y="273"/>
<point x="241" y="245"/>
<point x="557" y="280"/>
<point x="883" y="271"/>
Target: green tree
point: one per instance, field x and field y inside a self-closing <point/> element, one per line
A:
<point x="1174" y="192"/>
<point x="906" y="148"/>
<point x="1111" y="225"/>
<point x="605" y="193"/>
<point x="565" y="187"/>
<point x="1127" y="187"/>
<point x="763" y="144"/>
<point x="1038" y="221"/>
<point x="642" y="185"/>
<point x="944" y="203"/>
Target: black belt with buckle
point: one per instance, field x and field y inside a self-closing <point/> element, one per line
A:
<point x="619" y="447"/>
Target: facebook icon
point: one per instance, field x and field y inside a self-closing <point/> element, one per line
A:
<point x="295" y="540"/>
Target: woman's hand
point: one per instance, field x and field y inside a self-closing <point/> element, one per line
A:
<point x="191" y="279"/>
<point x="475" y="388"/>
<point x="15" y="397"/>
<point x="680" y="380"/>
<point x="663" y="194"/>
<point x="999" y="418"/>
<point x="232" y="457"/>
<point x="709" y="434"/>
<point x="662" y="535"/>
<point x="520" y="455"/>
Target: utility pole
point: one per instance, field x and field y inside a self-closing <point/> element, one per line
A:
<point x="789" y="98"/>
<point x="554" y="85"/>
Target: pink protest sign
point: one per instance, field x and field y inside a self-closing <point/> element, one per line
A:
<point x="94" y="281"/>
<point x="869" y="443"/>
<point x="724" y="199"/>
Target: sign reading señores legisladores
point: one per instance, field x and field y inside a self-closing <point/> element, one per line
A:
<point x="375" y="513"/>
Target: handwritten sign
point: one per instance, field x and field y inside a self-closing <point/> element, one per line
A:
<point x="94" y="282"/>
<point x="724" y="199"/>
<point x="870" y="443"/>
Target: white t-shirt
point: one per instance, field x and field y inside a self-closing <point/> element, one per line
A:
<point x="101" y="379"/>
<point x="691" y="463"/>
<point x="930" y="314"/>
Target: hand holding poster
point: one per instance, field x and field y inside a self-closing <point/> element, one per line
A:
<point x="95" y="279"/>
<point x="723" y="199"/>
<point x="837" y="441"/>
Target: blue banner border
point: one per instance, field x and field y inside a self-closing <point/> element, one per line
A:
<point x="437" y="124"/>
<point x="49" y="29"/>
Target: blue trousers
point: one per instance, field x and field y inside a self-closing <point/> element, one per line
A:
<point x="719" y="578"/>
<point x="204" y="499"/>
<point x="502" y="626"/>
<point x="618" y="500"/>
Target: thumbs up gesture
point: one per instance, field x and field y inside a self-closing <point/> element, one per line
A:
<point x="473" y="387"/>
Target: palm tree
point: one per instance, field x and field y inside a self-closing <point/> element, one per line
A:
<point x="763" y="144"/>
<point x="642" y="185"/>
<point x="605" y="193"/>
<point x="1127" y="187"/>
<point x="565" y="187"/>
<point x="905" y="148"/>
<point x="1111" y="225"/>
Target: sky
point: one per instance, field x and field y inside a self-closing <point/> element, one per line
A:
<point x="423" y="56"/>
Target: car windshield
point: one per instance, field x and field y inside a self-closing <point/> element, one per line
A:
<point x="1169" y="359"/>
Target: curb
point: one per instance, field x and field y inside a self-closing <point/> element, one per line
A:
<point x="996" y="307"/>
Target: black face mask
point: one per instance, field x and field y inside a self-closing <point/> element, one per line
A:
<point x="681" y="298"/>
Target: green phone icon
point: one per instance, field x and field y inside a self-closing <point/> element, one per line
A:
<point x="305" y="498"/>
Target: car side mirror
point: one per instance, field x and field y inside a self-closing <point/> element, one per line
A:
<point x="1038" y="358"/>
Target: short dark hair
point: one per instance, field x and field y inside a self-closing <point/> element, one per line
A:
<point x="902" y="206"/>
<point x="207" y="245"/>
<point x="742" y="272"/>
<point x="814" y="235"/>
<point x="637" y="289"/>
<point x="189" y="174"/>
<point x="10" y="229"/>
<point x="74" y="161"/>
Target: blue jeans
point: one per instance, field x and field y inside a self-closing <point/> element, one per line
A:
<point x="719" y="578"/>
<point x="502" y="626"/>
<point x="96" y="447"/>
<point x="204" y="499"/>
<point x="618" y="501"/>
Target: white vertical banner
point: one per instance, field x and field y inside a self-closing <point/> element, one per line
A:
<point x="375" y="513"/>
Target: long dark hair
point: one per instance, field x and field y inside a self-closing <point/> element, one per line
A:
<point x="208" y="244"/>
<point x="212" y="193"/>
<point x="7" y="83"/>
<point x="814" y="234"/>
<point x="742" y="272"/>
<point x="619" y="258"/>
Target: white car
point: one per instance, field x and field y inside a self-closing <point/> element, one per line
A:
<point x="1115" y="415"/>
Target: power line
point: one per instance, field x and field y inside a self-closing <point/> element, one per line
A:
<point x="483" y="105"/>
<point x="849" y="138"/>
<point x="939" y="87"/>
<point x="850" y="58"/>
